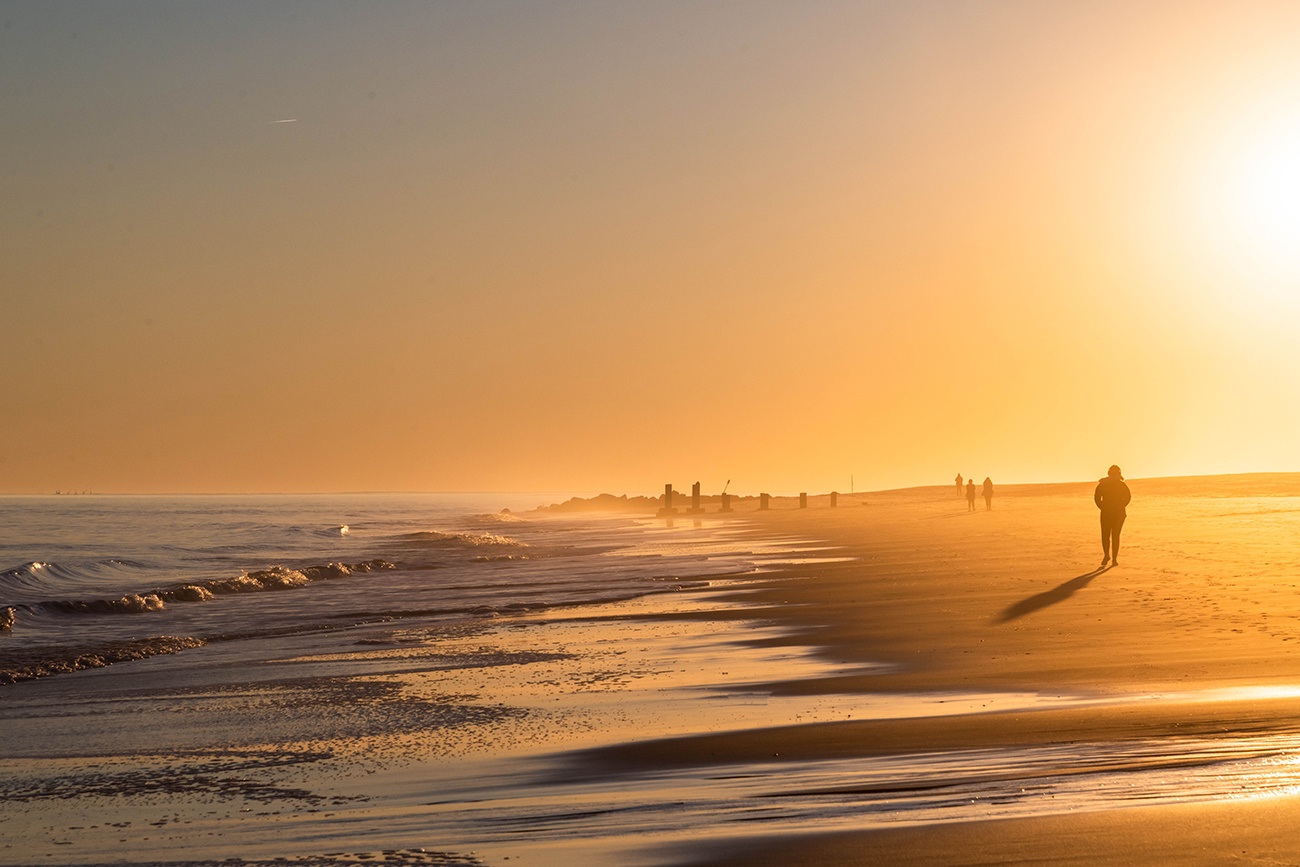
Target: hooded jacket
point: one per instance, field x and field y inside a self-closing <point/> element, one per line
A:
<point x="1111" y="496"/>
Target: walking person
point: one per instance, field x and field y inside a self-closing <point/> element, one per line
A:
<point x="1112" y="497"/>
<point x="988" y="494"/>
<point x="970" y="496"/>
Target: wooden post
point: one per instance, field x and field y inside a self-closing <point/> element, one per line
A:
<point x="835" y="499"/>
<point x="668" y="500"/>
<point x="764" y="502"/>
<point x="803" y="501"/>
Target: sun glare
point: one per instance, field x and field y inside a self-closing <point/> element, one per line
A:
<point x="1253" y="208"/>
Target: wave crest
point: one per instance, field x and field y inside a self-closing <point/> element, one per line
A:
<point x="39" y="580"/>
<point x="27" y="575"/>
<point x="275" y="578"/>
<point x="40" y="664"/>
<point x="505" y="516"/>
<point x="130" y="603"/>
<point x="438" y="539"/>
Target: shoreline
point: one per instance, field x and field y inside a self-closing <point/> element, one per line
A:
<point x="358" y="727"/>
<point x="965" y="682"/>
<point x="1202" y="612"/>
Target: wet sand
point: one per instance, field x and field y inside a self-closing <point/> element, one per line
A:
<point x="913" y="683"/>
<point x="1193" y="638"/>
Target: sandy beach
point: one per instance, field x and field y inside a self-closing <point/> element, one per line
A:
<point x="900" y="681"/>
<point x="556" y="434"/>
<point x="1190" y="646"/>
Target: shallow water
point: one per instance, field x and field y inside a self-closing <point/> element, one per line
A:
<point x="400" y="762"/>
<point x="640" y="820"/>
<point x="93" y="580"/>
<point x="435" y="705"/>
<point x="312" y="719"/>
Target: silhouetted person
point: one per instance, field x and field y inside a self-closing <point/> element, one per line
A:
<point x="1111" y="496"/>
<point x="970" y="496"/>
<point x="959" y="484"/>
<point x="988" y="493"/>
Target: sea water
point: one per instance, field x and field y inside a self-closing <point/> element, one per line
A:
<point x="88" y="581"/>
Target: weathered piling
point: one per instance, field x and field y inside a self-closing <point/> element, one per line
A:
<point x="668" y="501"/>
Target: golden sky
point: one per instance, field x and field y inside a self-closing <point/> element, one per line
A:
<point x="572" y="246"/>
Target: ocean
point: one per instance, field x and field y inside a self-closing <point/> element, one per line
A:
<point x="90" y="581"/>
<point x="358" y="678"/>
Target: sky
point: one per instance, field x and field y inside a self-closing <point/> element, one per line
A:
<point x="590" y="246"/>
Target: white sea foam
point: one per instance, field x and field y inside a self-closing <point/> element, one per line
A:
<point x="213" y="567"/>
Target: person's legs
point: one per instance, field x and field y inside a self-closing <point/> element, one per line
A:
<point x="1105" y="539"/>
<point x="1116" y="524"/>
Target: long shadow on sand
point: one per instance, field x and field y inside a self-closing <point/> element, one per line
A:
<point x="1039" y="601"/>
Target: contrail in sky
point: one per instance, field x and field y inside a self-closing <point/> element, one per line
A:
<point x="286" y="120"/>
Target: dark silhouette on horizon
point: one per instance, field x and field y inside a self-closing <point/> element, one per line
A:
<point x="959" y="480"/>
<point x="1112" y="497"/>
<point x="970" y="496"/>
<point x="1039" y="601"/>
<point x="988" y="493"/>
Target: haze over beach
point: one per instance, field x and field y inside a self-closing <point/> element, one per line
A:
<point x="594" y="247"/>
<point x="713" y="300"/>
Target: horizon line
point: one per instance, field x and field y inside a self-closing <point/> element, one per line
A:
<point x="573" y="493"/>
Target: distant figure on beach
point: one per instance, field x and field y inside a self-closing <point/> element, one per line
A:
<point x="1111" y="496"/>
<point x="970" y="496"/>
<point x="988" y="493"/>
<point x="959" y="484"/>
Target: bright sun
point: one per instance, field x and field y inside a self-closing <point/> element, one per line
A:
<point x="1253" y="207"/>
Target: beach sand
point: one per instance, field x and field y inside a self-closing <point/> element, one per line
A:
<point x="1193" y="638"/>
<point x="909" y="683"/>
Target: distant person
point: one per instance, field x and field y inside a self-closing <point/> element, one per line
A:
<point x="959" y="484"/>
<point x="1111" y="496"/>
<point x="988" y="493"/>
<point x="970" y="496"/>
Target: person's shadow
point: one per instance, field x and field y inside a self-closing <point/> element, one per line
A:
<point x="1039" y="601"/>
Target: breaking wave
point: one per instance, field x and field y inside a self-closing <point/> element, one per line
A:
<point x="437" y="539"/>
<point x="29" y="577"/>
<point x="505" y="516"/>
<point x="275" y="578"/>
<point x="332" y="531"/>
<point x="39" y="577"/>
<point x="36" y="663"/>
